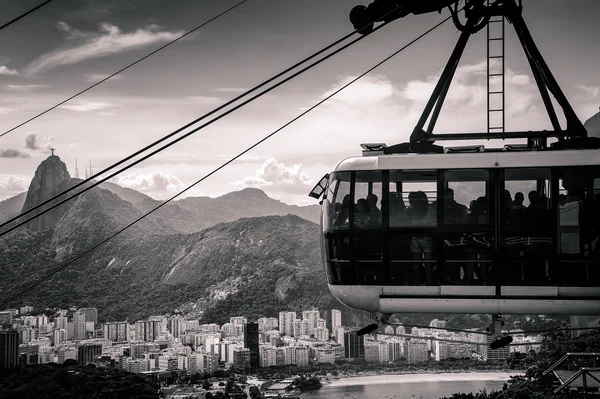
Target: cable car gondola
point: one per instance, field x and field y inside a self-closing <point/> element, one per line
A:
<point x="417" y="227"/>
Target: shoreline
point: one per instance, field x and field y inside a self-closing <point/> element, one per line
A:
<point x="417" y="377"/>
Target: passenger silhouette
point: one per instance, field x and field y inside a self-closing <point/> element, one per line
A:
<point x="421" y="247"/>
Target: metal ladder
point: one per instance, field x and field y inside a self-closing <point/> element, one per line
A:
<point x="495" y="77"/>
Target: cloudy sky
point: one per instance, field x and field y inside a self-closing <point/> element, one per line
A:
<point x="69" y="44"/>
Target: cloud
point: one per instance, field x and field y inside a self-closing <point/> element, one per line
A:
<point x="205" y="100"/>
<point x="157" y="183"/>
<point x="110" y="40"/>
<point x="95" y="77"/>
<point x="589" y="92"/>
<point x="369" y="89"/>
<point x="4" y="111"/>
<point x="11" y="185"/>
<point x="24" y="88"/>
<point x="276" y="175"/>
<point x="13" y="153"/>
<point x="468" y="90"/>
<point x="4" y="70"/>
<point x="87" y="107"/>
<point x="231" y="89"/>
<point x="31" y="142"/>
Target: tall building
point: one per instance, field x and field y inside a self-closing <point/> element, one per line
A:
<point x="9" y="349"/>
<point x="61" y="322"/>
<point x="354" y="346"/>
<point x="267" y="324"/>
<point x="241" y="358"/>
<point x="286" y="323"/>
<point x="336" y="319"/>
<point x="5" y="319"/>
<point x="251" y="342"/>
<point x="312" y="316"/>
<point x="116" y="331"/>
<point x="177" y="326"/>
<point x="148" y="330"/>
<point x="238" y="320"/>
<point x="78" y="326"/>
<point x="87" y="353"/>
<point x="26" y="334"/>
<point x="91" y="314"/>
<point x="416" y="351"/>
<point x="301" y="328"/>
<point x="60" y="336"/>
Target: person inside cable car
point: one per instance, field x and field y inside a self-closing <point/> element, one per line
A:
<point x="421" y="214"/>
<point x="479" y="244"/>
<point x="397" y="208"/>
<point x="455" y="245"/>
<point x="399" y="244"/>
<point x="375" y="213"/>
<point x="454" y="213"/>
<point x="362" y="216"/>
<point x="342" y="212"/>
<point x="517" y="209"/>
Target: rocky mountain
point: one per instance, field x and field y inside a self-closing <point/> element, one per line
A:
<point x="51" y="177"/>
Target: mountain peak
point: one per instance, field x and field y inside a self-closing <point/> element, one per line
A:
<point x="51" y="177"/>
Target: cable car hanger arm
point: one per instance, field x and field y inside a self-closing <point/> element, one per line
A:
<point x="478" y="15"/>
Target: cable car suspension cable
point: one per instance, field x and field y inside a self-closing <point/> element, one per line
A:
<point x="88" y="187"/>
<point x="24" y="15"/>
<point x="60" y="268"/>
<point x="123" y="69"/>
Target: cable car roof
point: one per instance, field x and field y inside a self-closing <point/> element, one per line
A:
<point x="475" y="160"/>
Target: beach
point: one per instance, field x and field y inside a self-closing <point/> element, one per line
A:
<point x="425" y="386"/>
<point x="415" y="378"/>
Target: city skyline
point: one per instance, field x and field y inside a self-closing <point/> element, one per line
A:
<point x="60" y="332"/>
<point x="78" y="43"/>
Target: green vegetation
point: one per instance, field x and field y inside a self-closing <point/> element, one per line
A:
<point x="304" y="383"/>
<point x="267" y="264"/>
<point x="52" y="381"/>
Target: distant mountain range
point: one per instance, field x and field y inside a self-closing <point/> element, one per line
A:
<point x="243" y="251"/>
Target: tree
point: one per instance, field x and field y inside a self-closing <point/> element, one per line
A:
<point x="255" y="392"/>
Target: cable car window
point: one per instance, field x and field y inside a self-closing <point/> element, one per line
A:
<point x="339" y="217"/>
<point x="465" y="197"/>
<point x="578" y="228"/>
<point x="413" y="221"/>
<point x="527" y="217"/>
<point x="467" y="247"/>
<point x="368" y="194"/>
<point x="412" y="195"/>
<point x="367" y="239"/>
